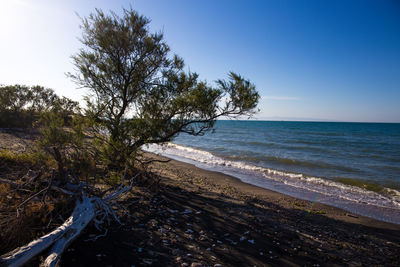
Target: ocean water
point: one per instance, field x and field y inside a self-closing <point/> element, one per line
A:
<point x="353" y="166"/>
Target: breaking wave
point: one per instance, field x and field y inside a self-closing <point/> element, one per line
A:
<point x="383" y="205"/>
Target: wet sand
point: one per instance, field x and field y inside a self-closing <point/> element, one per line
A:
<point x="202" y="218"/>
<point x="195" y="217"/>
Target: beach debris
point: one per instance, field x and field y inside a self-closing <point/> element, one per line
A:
<point x="172" y="211"/>
<point x="187" y="211"/>
<point x="219" y="242"/>
<point x="87" y="208"/>
<point x="251" y="241"/>
<point x="218" y="265"/>
<point x="139" y="250"/>
<point x="153" y="222"/>
<point x="162" y="230"/>
<point x="147" y="261"/>
<point x="176" y="251"/>
<point x="242" y="238"/>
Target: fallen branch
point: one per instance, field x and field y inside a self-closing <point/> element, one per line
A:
<point x="80" y="219"/>
<point x="11" y="183"/>
<point x="23" y="254"/>
<point x="31" y="197"/>
<point x="87" y="209"/>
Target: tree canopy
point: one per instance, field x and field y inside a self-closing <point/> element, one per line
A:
<point x="21" y="105"/>
<point x="139" y="92"/>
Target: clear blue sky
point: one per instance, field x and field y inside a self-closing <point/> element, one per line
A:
<point x="329" y="60"/>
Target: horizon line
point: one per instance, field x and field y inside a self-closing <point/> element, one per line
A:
<point x="307" y="120"/>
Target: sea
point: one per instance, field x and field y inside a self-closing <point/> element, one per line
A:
<point x="353" y="166"/>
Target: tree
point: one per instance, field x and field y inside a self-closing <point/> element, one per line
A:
<point x="140" y="94"/>
<point x="21" y="105"/>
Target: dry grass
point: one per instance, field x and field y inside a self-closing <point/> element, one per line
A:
<point x="22" y="222"/>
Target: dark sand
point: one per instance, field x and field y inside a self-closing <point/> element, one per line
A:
<point x="209" y="218"/>
<point x="206" y="218"/>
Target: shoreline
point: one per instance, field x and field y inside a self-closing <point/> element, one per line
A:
<point x="187" y="216"/>
<point x="381" y="205"/>
<point x="196" y="217"/>
<point x="281" y="199"/>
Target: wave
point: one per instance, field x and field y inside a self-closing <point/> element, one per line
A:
<point x="275" y="145"/>
<point x="292" y="162"/>
<point x="329" y="189"/>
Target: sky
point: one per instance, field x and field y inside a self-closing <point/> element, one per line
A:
<point x="310" y="60"/>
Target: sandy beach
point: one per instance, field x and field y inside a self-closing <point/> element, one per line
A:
<point x="195" y="217"/>
<point x="204" y="218"/>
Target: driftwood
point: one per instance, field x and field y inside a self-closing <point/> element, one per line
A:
<point x="87" y="209"/>
<point x="21" y="255"/>
<point x="84" y="213"/>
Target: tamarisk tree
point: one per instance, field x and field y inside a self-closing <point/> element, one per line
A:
<point x="140" y="92"/>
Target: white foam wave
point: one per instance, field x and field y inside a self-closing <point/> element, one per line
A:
<point x="331" y="189"/>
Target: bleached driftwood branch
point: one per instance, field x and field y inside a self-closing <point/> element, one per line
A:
<point x="80" y="218"/>
<point x="86" y="210"/>
<point x="21" y="255"/>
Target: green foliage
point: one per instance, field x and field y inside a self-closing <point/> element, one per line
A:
<point x="53" y="132"/>
<point x="140" y="93"/>
<point x="21" y="106"/>
<point x="65" y="144"/>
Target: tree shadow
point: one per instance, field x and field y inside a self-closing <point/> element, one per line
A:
<point x="178" y="227"/>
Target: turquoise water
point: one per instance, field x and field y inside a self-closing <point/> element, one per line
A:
<point x="349" y="165"/>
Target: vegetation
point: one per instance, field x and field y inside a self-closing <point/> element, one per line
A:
<point x="21" y="106"/>
<point x="140" y="93"/>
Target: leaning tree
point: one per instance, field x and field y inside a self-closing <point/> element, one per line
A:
<point x="140" y="93"/>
